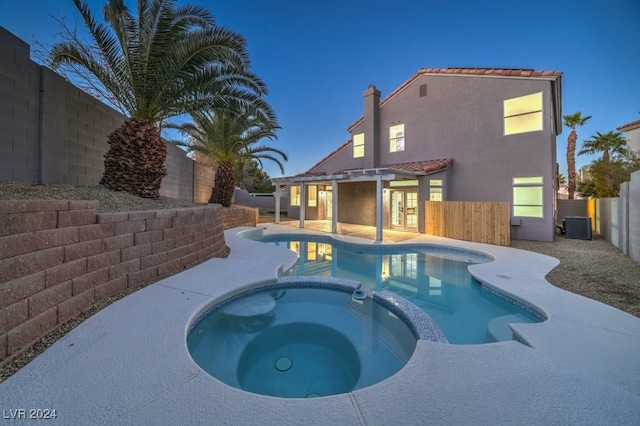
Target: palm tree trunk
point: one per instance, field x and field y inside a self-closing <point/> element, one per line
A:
<point x="571" y="163"/>
<point x="224" y="185"/>
<point x="135" y="160"/>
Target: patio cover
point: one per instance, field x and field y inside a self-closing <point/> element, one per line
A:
<point x="403" y="171"/>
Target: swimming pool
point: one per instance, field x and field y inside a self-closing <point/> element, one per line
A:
<point x="301" y="338"/>
<point x="434" y="278"/>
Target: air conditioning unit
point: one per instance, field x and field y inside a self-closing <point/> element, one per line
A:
<point x="577" y="227"/>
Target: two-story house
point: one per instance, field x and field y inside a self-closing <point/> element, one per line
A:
<point x="453" y="134"/>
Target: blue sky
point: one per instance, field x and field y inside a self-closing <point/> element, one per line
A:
<point x="317" y="57"/>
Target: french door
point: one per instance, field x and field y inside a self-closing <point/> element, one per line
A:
<point x="404" y="210"/>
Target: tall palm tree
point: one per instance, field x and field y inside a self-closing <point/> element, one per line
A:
<point x="608" y="143"/>
<point x="230" y="138"/>
<point x="160" y="62"/>
<point x="573" y="121"/>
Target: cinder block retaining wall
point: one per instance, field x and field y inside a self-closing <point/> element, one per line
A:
<point x="236" y="215"/>
<point x="57" y="258"/>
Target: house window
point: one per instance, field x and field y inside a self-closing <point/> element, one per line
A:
<point x="527" y="197"/>
<point x="435" y="189"/>
<point x="358" y="145"/>
<point x="523" y="114"/>
<point x="313" y="195"/>
<point x="294" y="199"/>
<point x="403" y="183"/>
<point x="396" y="137"/>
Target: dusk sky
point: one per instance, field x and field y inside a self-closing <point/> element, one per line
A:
<point x="317" y="57"/>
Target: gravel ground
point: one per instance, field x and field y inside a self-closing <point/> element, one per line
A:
<point x="110" y="201"/>
<point x="592" y="268"/>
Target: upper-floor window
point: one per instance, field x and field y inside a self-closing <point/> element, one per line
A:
<point x="358" y="145"/>
<point x="396" y="138"/>
<point x="294" y="199"/>
<point x="523" y="114"/>
<point x="527" y="196"/>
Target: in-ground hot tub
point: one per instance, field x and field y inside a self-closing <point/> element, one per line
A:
<point x="303" y="337"/>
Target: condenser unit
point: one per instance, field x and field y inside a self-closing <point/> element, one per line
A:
<point x="577" y="227"/>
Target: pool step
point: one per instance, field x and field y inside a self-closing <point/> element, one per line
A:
<point x="499" y="327"/>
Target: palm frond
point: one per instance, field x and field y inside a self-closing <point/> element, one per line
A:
<point x="160" y="62"/>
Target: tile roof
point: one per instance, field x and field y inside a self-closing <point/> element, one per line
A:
<point x="427" y="166"/>
<point x="629" y="126"/>
<point x="504" y="72"/>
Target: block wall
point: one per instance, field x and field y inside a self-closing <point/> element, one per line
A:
<point x="19" y="110"/>
<point x="53" y="132"/>
<point x="73" y="132"/>
<point x="235" y="216"/>
<point x="203" y="178"/>
<point x="634" y="216"/>
<point x="178" y="183"/>
<point x="57" y="258"/>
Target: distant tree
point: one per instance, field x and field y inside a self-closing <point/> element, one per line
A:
<point x="562" y="179"/>
<point x="605" y="180"/>
<point x="160" y="62"/>
<point x="605" y="177"/>
<point x="229" y="138"/>
<point x="263" y="187"/>
<point x="587" y="189"/>
<point x="573" y="121"/>
<point x="250" y="176"/>
<point x="610" y="143"/>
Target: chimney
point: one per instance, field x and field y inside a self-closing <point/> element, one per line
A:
<point x="371" y="127"/>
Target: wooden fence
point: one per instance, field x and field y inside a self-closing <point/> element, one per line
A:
<point x="482" y="222"/>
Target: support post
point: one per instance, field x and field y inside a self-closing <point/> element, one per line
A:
<point x="277" y="219"/>
<point x="303" y="202"/>
<point x="334" y="206"/>
<point x="379" y="188"/>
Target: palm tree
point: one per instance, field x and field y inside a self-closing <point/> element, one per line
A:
<point x="573" y="121"/>
<point x="161" y="62"/>
<point x="562" y="179"/>
<point x="608" y="143"/>
<point x="228" y="139"/>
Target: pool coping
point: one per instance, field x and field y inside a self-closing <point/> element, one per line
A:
<point x="129" y="363"/>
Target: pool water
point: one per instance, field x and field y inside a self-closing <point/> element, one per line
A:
<point x="436" y="280"/>
<point x="300" y="342"/>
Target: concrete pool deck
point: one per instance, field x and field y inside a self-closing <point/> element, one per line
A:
<point x="129" y="363"/>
